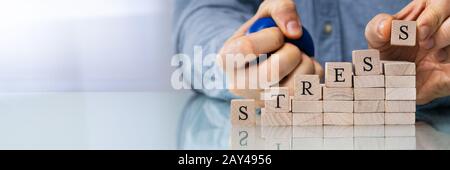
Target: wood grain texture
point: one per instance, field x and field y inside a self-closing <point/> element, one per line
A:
<point x="307" y="106"/>
<point x="368" y="81"/>
<point x="338" y="94"/>
<point x="403" y="33"/>
<point x="338" y="106"/>
<point x="307" y="119"/>
<point x="366" y="62"/>
<point x="338" y="118"/>
<point x="400" y="93"/>
<point x="400" y="106"/>
<point x="368" y="118"/>
<point x="369" y="106"/>
<point x="338" y="74"/>
<point x="243" y="112"/>
<point x="369" y="94"/>
<point x="400" y="118"/>
<point x="400" y="81"/>
<point x="398" y="68"/>
<point x="275" y="119"/>
<point x="307" y="87"/>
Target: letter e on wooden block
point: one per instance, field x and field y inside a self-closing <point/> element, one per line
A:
<point x="307" y="87"/>
<point x="366" y="62"/>
<point x="243" y="112"/>
<point x="338" y="74"/>
<point x="277" y="100"/>
<point x="403" y="33"/>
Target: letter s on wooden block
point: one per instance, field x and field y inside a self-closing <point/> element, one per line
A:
<point x="366" y="62"/>
<point x="403" y="33"/>
<point x="243" y="112"/>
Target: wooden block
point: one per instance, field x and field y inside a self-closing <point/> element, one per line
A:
<point x="400" y="143"/>
<point x="366" y="62"/>
<point x="338" y="94"/>
<point x="400" y="93"/>
<point x="338" y="74"/>
<point x="307" y="131"/>
<point x="307" y="119"/>
<point x="307" y="106"/>
<point x="307" y="87"/>
<point x="275" y="119"/>
<point x="338" y="118"/>
<point x="243" y="112"/>
<point x="371" y="143"/>
<point x="338" y="131"/>
<point x="400" y="118"/>
<point x="399" y="68"/>
<point x="307" y="143"/>
<point x="403" y="33"/>
<point x="400" y="81"/>
<point x="400" y="106"/>
<point x="243" y="138"/>
<point x="369" y="130"/>
<point x="368" y="81"/>
<point x="375" y="106"/>
<point x="278" y="100"/>
<point x="369" y="94"/>
<point x="276" y="132"/>
<point x="338" y="106"/>
<point x="338" y="143"/>
<point x="368" y="118"/>
<point x="400" y="130"/>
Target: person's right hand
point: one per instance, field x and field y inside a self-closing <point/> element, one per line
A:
<point x="271" y="40"/>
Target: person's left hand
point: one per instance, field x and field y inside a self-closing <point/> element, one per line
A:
<point x="431" y="55"/>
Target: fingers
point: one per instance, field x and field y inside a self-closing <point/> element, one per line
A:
<point x="430" y="20"/>
<point x="284" y="12"/>
<point x="442" y="36"/>
<point x="378" y="30"/>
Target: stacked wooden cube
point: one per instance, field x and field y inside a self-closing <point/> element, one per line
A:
<point x="364" y="92"/>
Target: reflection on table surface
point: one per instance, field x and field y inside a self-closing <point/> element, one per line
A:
<point x="205" y="124"/>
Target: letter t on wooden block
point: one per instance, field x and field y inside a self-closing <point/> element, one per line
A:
<point x="243" y="112"/>
<point x="367" y="62"/>
<point x="277" y="100"/>
<point x="338" y="74"/>
<point x="307" y="87"/>
<point x="403" y="33"/>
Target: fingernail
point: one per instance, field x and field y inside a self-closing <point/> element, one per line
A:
<point x="293" y="27"/>
<point x="428" y="44"/>
<point x="380" y="28"/>
<point x="424" y="32"/>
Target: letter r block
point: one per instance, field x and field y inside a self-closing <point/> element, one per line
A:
<point x="403" y="33"/>
<point x="366" y="62"/>
<point x="338" y="74"/>
<point x="307" y="87"/>
<point x="243" y="112"/>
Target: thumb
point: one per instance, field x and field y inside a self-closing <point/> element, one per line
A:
<point x="378" y="30"/>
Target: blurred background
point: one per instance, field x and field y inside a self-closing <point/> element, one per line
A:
<point x="85" y="45"/>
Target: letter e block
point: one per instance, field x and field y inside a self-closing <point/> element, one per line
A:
<point x="338" y="74"/>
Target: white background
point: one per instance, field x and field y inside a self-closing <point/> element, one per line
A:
<point x="85" y="45"/>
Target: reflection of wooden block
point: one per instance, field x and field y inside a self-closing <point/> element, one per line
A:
<point x="338" y="74"/>
<point x="307" y="106"/>
<point x="400" y="143"/>
<point x="366" y="62"/>
<point x="243" y="138"/>
<point x="338" y="143"/>
<point x="307" y="119"/>
<point x="338" y="106"/>
<point x="400" y="93"/>
<point x="403" y="33"/>
<point x="338" y="118"/>
<point x="369" y="130"/>
<point x="278" y="144"/>
<point x="278" y="132"/>
<point x="399" y="68"/>
<point x="275" y="119"/>
<point x="400" y="130"/>
<point x="307" y="131"/>
<point x="369" y="94"/>
<point x="368" y="81"/>
<point x="340" y="94"/>
<point x="400" y="81"/>
<point x="278" y="100"/>
<point x="368" y="118"/>
<point x="400" y="118"/>
<point x="243" y="112"/>
<point x="376" y="106"/>
<point x="371" y="143"/>
<point x="307" y="87"/>
<point x="338" y="131"/>
<point x="314" y="143"/>
<point x="400" y="106"/>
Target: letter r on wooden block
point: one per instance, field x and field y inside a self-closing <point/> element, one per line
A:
<point x="338" y="74"/>
<point x="307" y="87"/>
<point x="243" y="112"/>
<point x="366" y="62"/>
<point x="403" y="33"/>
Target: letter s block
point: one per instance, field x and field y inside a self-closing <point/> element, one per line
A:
<point x="338" y="74"/>
<point x="243" y="112"/>
<point x="403" y="33"/>
<point x="366" y="62"/>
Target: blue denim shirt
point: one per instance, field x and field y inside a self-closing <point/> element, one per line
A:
<point x="209" y="23"/>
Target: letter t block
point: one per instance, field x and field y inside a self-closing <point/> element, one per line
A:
<point x="307" y="87"/>
<point x="338" y="74"/>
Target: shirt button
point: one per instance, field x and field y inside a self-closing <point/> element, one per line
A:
<point x="328" y="28"/>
